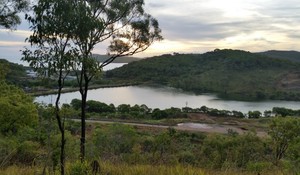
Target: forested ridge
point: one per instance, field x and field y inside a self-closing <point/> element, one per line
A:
<point x="282" y="54"/>
<point x="233" y="74"/>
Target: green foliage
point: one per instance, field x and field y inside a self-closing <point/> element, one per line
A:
<point x="231" y="74"/>
<point x="283" y="112"/>
<point x="80" y="168"/>
<point x="99" y="107"/>
<point x="16" y="109"/>
<point x="76" y="103"/>
<point x="254" y="114"/>
<point x="234" y="151"/>
<point x="259" y="167"/>
<point x="115" y="140"/>
<point x="293" y="155"/>
<point x="13" y="73"/>
<point x="9" y="12"/>
<point x="3" y="69"/>
<point x="284" y="132"/>
<point x="159" y="114"/>
<point x="123" y="108"/>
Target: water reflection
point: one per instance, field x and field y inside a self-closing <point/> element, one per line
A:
<point x="164" y="97"/>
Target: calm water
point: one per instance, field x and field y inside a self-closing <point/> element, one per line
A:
<point x="113" y="66"/>
<point x="162" y="97"/>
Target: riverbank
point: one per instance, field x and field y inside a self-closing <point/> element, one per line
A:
<point x="43" y="91"/>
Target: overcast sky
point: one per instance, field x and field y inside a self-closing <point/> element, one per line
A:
<point x="197" y="26"/>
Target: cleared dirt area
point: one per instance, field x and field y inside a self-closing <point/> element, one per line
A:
<point x="224" y="124"/>
<point x="290" y="81"/>
<point x="202" y="123"/>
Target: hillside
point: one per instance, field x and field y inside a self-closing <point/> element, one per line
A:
<point x="102" y="58"/>
<point x="232" y="74"/>
<point x="286" y="55"/>
<point x="16" y="73"/>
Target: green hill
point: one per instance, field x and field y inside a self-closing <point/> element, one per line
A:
<point x="232" y="74"/>
<point x="287" y="55"/>
<point x="16" y="73"/>
<point x="102" y="58"/>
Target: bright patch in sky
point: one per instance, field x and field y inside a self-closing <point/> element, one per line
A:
<point x="194" y="26"/>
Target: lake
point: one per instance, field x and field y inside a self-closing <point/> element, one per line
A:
<point x="165" y="97"/>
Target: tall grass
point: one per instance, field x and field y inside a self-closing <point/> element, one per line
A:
<point x="124" y="169"/>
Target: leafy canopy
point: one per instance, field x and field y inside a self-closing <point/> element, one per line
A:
<point x="9" y="10"/>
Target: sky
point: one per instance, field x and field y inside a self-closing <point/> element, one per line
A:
<point x="198" y="26"/>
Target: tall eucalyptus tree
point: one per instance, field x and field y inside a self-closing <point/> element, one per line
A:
<point x="52" y="51"/>
<point x="124" y="24"/>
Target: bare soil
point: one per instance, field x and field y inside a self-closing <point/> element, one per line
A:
<point x="290" y="81"/>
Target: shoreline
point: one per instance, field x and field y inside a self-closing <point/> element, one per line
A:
<point x="67" y="90"/>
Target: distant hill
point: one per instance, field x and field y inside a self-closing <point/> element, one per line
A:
<point x="288" y="55"/>
<point x="16" y="73"/>
<point x="233" y="74"/>
<point x="102" y="58"/>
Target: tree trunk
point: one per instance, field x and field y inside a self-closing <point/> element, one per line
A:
<point x="60" y="125"/>
<point x="83" y="92"/>
<point x="82" y="139"/>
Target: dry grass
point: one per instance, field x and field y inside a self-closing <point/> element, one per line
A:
<point x="123" y="169"/>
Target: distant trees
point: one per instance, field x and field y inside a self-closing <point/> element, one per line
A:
<point x="254" y="114"/>
<point x="9" y="10"/>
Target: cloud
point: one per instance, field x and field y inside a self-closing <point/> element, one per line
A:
<point x="202" y="25"/>
<point x="245" y="23"/>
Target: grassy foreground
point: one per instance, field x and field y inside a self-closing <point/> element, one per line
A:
<point x="123" y="169"/>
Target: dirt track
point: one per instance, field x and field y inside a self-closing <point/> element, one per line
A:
<point x="200" y="127"/>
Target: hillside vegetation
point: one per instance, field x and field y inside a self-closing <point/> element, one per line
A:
<point x="232" y="74"/>
<point x="15" y="73"/>
<point x="287" y="55"/>
<point x="30" y="140"/>
<point x="102" y="58"/>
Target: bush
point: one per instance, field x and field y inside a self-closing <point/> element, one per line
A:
<point x="79" y="168"/>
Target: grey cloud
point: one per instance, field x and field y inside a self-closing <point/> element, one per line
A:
<point x="294" y="35"/>
<point x="181" y="28"/>
<point x="191" y="28"/>
<point x="206" y="24"/>
<point x="156" y="5"/>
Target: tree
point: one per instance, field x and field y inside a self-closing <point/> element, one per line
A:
<point x="9" y="10"/>
<point x="283" y="132"/>
<point x="283" y="112"/>
<point x="159" y="114"/>
<point x="53" y="52"/>
<point x="129" y="29"/>
<point x="254" y="114"/>
<point x="123" y="108"/>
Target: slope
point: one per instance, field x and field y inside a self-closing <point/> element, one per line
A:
<point x="232" y="74"/>
<point x="287" y="55"/>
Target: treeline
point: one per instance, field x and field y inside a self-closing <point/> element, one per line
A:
<point x="232" y="74"/>
<point x="102" y="110"/>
